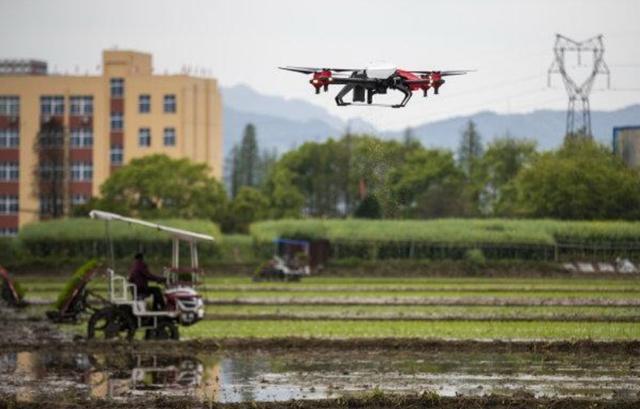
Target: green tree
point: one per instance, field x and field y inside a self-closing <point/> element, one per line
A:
<point x="248" y="206"/>
<point x="582" y="180"/>
<point x="286" y="200"/>
<point x="232" y="165"/>
<point x="157" y="186"/>
<point x="499" y="165"/>
<point x="428" y="184"/>
<point x="470" y="149"/>
<point x="248" y="157"/>
<point x="369" y="208"/>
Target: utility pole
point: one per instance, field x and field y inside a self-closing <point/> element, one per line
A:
<point x="578" y="91"/>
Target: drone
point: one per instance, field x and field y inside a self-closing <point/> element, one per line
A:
<point x="374" y="79"/>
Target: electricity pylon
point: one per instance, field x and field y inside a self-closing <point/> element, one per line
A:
<point x="594" y="46"/>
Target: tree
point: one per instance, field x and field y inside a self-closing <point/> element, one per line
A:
<point x="285" y="198"/>
<point x="156" y="186"/>
<point x="500" y="164"/>
<point x="409" y="139"/>
<point x="470" y="149"/>
<point x="232" y="165"/>
<point x="428" y="184"/>
<point x="53" y="173"/>
<point x="248" y="206"/>
<point x="369" y="208"/>
<point x="246" y="165"/>
<point x="248" y="160"/>
<point x="582" y="180"/>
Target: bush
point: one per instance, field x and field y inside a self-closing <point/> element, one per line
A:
<point x="533" y="239"/>
<point x="475" y="257"/>
<point x="83" y="237"/>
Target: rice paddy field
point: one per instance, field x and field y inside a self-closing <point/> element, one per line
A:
<point x="447" y="308"/>
<point x="392" y="342"/>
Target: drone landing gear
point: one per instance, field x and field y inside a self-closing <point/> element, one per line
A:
<point x="407" y="95"/>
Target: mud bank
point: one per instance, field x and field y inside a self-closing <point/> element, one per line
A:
<point x="60" y="343"/>
<point x="383" y="402"/>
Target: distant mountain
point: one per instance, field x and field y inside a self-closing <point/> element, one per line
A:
<point x="274" y="132"/>
<point x="284" y="124"/>
<point x="281" y="123"/>
<point x="545" y="126"/>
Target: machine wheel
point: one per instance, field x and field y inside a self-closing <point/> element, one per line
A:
<point x="111" y="323"/>
<point x="166" y="330"/>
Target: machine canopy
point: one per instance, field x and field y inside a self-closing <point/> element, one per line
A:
<point x="172" y="231"/>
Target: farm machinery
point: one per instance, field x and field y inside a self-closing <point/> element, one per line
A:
<point x="11" y="293"/>
<point x="293" y="259"/>
<point x="125" y="311"/>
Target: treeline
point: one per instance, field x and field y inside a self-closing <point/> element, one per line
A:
<point x="368" y="177"/>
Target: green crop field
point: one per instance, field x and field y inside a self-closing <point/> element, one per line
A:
<point x="411" y="329"/>
<point x="477" y="311"/>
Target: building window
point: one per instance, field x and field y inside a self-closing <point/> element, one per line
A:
<point x="81" y="138"/>
<point x="9" y="105"/>
<point x="117" y="87"/>
<point x="9" y="171"/>
<point x="8" y="231"/>
<point x="116" y="154"/>
<point x="170" y="103"/>
<point x="8" y="204"/>
<point x="81" y="105"/>
<point x="169" y="136"/>
<point x="79" y="199"/>
<point x="117" y="121"/>
<point x="9" y="138"/>
<point x="50" y="205"/>
<point x="81" y="171"/>
<point x="144" y="103"/>
<point x="50" y="171"/>
<point x="144" y="137"/>
<point x="52" y="105"/>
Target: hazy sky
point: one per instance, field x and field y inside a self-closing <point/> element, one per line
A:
<point x="509" y="43"/>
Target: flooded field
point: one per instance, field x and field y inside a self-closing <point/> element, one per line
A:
<point x="340" y="342"/>
<point x="271" y="376"/>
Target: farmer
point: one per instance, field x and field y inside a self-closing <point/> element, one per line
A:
<point x="139" y="275"/>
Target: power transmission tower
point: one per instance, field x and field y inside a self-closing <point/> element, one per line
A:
<point x="576" y="91"/>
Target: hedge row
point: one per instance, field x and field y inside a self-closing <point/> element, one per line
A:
<point x="452" y="238"/>
<point x="88" y="238"/>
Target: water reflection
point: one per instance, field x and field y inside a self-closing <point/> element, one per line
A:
<point x="264" y="376"/>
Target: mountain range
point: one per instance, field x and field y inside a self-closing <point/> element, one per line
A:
<point x="283" y="124"/>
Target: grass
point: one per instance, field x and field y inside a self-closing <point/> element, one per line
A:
<point x="411" y="329"/>
<point x="398" y="311"/>
<point x="228" y="295"/>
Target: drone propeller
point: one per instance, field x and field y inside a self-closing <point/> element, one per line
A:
<point x="444" y="73"/>
<point x="311" y="70"/>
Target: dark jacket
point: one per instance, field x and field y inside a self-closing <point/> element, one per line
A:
<point x="140" y="275"/>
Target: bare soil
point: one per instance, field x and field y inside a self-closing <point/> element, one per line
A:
<point x="375" y="402"/>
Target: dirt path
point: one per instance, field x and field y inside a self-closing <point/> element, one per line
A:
<point x="371" y="402"/>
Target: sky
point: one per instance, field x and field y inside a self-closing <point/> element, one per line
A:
<point x="509" y="44"/>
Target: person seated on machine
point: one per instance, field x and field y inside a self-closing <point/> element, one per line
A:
<point x="139" y="275"/>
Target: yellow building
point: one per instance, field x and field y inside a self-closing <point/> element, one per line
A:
<point x="95" y="124"/>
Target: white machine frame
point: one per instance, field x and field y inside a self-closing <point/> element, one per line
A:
<point x="121" y="292"/>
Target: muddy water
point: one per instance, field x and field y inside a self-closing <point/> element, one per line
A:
<point x="277" y="376"/>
